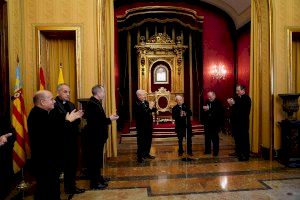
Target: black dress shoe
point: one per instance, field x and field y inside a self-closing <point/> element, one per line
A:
<point x="105" y="180"/>
<point x="140" y="160"/>
<point x="206" y="152"/>
<point x="149" y="157"/>
<point x="75" y="190"/>
<point x="190" y="154"/>
<point x="233" y="154"/>
<point x="243" y="158"/>
<point x="100" y="186"/>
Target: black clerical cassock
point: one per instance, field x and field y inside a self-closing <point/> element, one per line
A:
<point x="97" y="134"/>
<point x="144" y="127"/>
<point x="45" y="143"/>
<point x="183" y="126"/>
<point x="69" y="132"/>
<point x="213" y="122"/>
<point x="240" y="125"/>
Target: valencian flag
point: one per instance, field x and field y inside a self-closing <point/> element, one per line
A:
<point x="60" y="76"/>
<point x="42" y="79"/>
<point x="21" y="149"/>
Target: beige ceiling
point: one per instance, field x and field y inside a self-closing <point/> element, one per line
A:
<point x="238" y="10"/>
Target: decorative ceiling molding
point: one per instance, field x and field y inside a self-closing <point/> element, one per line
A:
<point x="238" y="10"/>
<point x="160" y="14"/>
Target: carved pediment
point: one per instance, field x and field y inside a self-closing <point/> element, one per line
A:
<point x="160" y="38"/>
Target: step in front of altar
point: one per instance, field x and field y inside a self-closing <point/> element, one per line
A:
<point x="163" y="132"/>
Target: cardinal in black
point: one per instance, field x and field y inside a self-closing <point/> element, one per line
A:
<point x="213" y="122"/>
<point x="144" y="125"/>
<point x="97" y="134"/>
<point x="241" y="106"/>
<point x="183" y="126"/>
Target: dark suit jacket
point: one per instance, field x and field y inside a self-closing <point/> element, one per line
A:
<point x="214" y="117"/>
<point x="144" y="119"/>
<point x="97" y="123"/>
<point x="240" y="112"/>
<point x="182" y="122"/>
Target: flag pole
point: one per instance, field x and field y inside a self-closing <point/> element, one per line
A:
<point x="22" y="185"/>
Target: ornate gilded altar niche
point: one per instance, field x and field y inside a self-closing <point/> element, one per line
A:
<point x="160" y="48"/>
<point x="160" y="64"/>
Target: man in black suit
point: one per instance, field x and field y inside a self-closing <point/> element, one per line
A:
<point x="97" y="134"/>
<point x="144" y="125"/>
<point x="45" y="145"/>
<point x="69" y="133"/>
<point x="214" y="118"/>
<point x="183" y="126"/>
<point x="241" y="106"/>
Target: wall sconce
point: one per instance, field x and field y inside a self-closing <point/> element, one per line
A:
<point x="218" y="72"/>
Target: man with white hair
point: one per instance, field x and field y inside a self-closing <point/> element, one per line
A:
<point x="183" y="126"/>
<point x="45" y="145"/>
<point x="144" y="125"/>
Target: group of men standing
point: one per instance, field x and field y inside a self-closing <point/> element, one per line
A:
<point x="239" y="120"/>
<point x="213" y="124"/>
<point x="53" y="126"/>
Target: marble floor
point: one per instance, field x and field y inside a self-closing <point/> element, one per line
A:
<point x="205" y="177"/>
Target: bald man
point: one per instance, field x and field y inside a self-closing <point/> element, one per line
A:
<point x="183" y="127"/>
<point x="144" y="125"/>
<point x="45" y="145"/>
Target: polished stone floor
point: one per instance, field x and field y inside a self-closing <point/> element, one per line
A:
<point x="205" y="177"/>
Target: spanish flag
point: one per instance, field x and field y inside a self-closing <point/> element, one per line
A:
<point x="60" y="76"/>
<point x="21" y="150"/>
<point x="42" y="79"/>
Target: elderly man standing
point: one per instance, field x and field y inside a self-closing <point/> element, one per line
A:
<point x="97" y="134"/>
<point x="214" y="117"/>
<point x="144" y="125"/>
<point x="69" y="133"/>
<point x="44" y="144"/>
<point x="183" y="126"/>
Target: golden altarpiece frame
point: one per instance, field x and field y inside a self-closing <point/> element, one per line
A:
<point x="161" y="48"/>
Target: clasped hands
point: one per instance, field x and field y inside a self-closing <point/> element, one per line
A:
<point x="75" y="114"/>
<point x="151" y="104"/>
<point x="230" y="101"/>
<point x="113" y="117"/>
